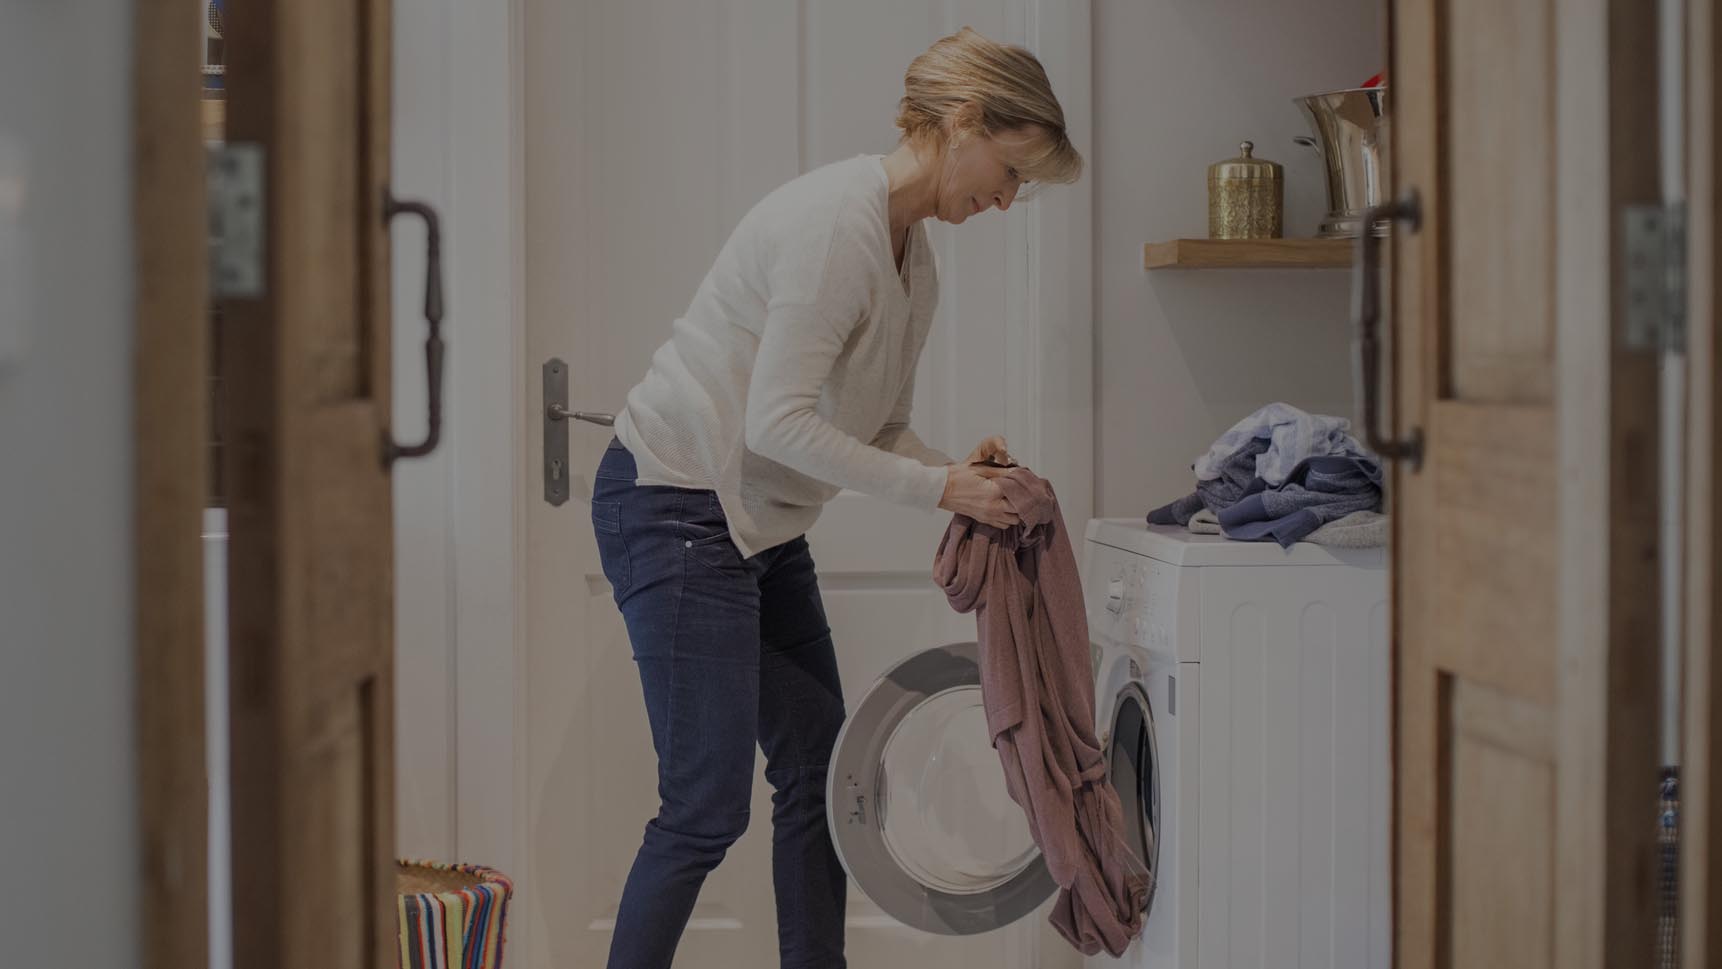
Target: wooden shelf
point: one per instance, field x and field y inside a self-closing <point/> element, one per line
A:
<point x="1249" y="254"/>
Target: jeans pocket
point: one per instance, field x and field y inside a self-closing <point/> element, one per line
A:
<point x="612" y="547"/>
<point x="705" y="534"/>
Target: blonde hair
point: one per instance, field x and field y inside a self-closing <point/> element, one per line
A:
<point x="973" y="85"/>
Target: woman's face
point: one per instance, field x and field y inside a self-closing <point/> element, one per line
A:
<point x="981" y="173"/>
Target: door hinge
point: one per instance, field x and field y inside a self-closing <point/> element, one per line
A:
<point x="236" y="227"/>
<point x="1656" y="277"/>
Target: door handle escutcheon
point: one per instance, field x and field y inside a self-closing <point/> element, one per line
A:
<point x="558" y="474"/>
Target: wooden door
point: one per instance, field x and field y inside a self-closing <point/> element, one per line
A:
<point x="310" y="586"/>
<point x="1526" y="542"/>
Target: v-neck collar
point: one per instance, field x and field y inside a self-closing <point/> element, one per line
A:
<point x="911" y="245"/>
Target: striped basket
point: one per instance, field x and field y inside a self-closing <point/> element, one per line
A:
<point x="451" y="916"/>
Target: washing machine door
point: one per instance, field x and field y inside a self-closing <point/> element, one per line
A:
<point x="1133" y="767"/>
<point x="917" y="802"/>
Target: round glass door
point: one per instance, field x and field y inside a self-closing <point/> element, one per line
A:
<point x="947" y="817"/>
<point x="918" y="807"/>
<point x="1132" y="764"/>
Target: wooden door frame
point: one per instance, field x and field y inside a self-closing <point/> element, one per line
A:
<point x="1700" y="797"/>
<point x="1608" y="679"/>
<point x="169" y="428"/>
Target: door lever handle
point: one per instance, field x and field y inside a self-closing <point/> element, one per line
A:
<point x="556" y="412"/>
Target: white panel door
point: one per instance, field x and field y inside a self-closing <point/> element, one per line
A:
<point x="649" y="128"/>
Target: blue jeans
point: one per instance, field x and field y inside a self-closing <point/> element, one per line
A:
<point x="731" y="651"/>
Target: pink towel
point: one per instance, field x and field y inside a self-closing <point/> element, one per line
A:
<point x="1038" y="689"/>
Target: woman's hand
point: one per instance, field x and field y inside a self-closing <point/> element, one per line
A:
<point x="992" y="449"/>
<point x="971" y="491"/>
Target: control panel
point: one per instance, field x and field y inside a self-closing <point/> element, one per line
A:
<point x="1131" y="599"/>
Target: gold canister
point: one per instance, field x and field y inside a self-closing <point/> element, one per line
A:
<point x="1246" y="197"/>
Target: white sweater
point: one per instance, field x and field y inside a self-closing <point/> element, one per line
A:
<point x="791" y="375"/>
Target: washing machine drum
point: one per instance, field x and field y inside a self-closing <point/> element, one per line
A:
<point x="1132" y="764"/>
<point x="917" y="802"/>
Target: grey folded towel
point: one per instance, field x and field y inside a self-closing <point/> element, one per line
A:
<point x="1360" y="529"/>
<point x="1204" y="522"/>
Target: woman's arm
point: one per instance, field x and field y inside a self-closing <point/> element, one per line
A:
<point x="797" y="349"/>
<point x="899" y="438"/>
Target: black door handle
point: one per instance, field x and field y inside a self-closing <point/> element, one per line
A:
<point x="1367" y="306"/>
<point x="433" y="342"/>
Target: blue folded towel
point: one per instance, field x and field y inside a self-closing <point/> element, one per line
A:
<point x="1318" y="491"/>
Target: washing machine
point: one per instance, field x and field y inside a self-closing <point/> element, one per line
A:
<point x="1245" y="689"/>
<point x="1241" y="695"/>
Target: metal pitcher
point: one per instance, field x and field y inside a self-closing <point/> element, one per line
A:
<point x="1351" y="138"/>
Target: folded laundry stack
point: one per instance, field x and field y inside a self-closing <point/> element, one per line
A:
<point x="1285" y="475"/>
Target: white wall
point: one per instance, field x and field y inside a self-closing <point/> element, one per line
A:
<point x="424" y="500"/>
<point x="455" y="528"/>
<point x="68" y="800"/>
<point x="1180" y="356"/>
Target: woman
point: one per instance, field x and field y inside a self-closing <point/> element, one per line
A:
<point x="789" y="379"/>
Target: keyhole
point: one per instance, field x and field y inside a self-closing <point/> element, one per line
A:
<point x="556" y="469"/>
